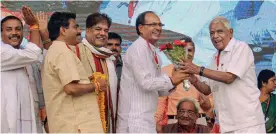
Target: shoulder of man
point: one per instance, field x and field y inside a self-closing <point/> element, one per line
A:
<point x="241" y="44"/>
<point x="170" y="128"/>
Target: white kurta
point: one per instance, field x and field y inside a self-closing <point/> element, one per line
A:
<point x="141" y="84"/>
<point x="237" y="104"/>
<point x="17" y="111"/>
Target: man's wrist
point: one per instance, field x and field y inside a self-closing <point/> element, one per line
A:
<point x="201" y="70"/>
<point x="34" y="27"/>
<point x="172" y="84"/>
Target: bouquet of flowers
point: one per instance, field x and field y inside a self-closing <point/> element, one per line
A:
<point x="175" y="52"/>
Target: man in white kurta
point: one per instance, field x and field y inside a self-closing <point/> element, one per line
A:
<point x="142" y="81"/>
<point x="232" y="81"/>
<point x="17" y="108"/>
<point x="15" y="88"/>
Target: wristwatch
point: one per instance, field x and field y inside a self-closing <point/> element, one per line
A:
<point x="201" y="70"/>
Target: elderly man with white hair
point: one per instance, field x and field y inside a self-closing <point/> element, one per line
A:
<point x="232" y="80"/>
<point x="187" y="114"/>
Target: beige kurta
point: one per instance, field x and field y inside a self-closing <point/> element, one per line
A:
<point x="86" y="57"/>
<point x="65" y="112"/>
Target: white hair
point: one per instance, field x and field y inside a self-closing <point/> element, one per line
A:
<point x="222" y="20"/>
<point x="188" y="99"/>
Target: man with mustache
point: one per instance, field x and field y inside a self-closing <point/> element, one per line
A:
<point x="114" y="44"/>
<point x="69" y="94"/>
<point x="96" y="58"/>
<point x="166" y="111"/>
<point x="142" y="81"/>
<point x="17" y="108"/>
<point x="232" y="81"/>
<point x="187" y="115"/>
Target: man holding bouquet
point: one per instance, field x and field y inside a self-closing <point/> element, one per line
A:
<point x="142" y="81"/>
<point x="232" y="81"/>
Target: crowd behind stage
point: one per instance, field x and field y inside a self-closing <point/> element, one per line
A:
<point x="59" y="82"/>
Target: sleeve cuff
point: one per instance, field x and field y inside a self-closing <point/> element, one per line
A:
<point x="170" y="85"/>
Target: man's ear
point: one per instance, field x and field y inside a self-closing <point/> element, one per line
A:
<point x="62" y="31"/>
<point x="263" y="84"/>
<point x="140" y="27"/>
<point x="231" y="32"/>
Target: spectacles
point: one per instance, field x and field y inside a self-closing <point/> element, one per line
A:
<point x="155" y="24"/>
<point x="189" y="112"/>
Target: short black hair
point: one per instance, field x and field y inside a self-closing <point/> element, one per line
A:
<point x="141" y="20"/>
<point x="263" y="76"/>
<point x="95" y="18"/>
<point x="112" y="35"/>
<point x="57" y="20"/>
<point x="10" y="18"/>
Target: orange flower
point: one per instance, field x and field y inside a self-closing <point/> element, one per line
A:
<point x="101" y="99"/>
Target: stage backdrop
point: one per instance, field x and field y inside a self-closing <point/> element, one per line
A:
<point x="253" y="22"/>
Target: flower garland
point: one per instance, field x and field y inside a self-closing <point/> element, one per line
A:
<point x="101" y="98"/>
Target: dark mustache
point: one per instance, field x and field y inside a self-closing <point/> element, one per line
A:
<point x="79" y="34"/>
<point x="114" y="50"/>
<point x="14" y="35"/>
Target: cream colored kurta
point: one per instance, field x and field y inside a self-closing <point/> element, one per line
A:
<point x="88" y="62"/>
<point x="65" y="112"/>
<point x="17" y="108"/>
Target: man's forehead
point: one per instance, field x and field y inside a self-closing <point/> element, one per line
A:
<point x="12" y="23"/>
<point x="102" y="24"/>
<point x="187" y="105"/>
<point x="217" y="26"/>
<point x="72" y="21"/>
<point x="114" y="40"/>
<point x="151" y="17"/>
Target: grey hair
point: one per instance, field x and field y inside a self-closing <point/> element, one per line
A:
<point x="188" y="99"/>
<point x="222" y="20"/>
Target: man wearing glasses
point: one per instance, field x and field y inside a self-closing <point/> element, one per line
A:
<point x="142" y="81"/>
<point x="187" y="114"/>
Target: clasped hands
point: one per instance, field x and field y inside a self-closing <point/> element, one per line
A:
<point x="100" y="84"/>
<point x="185" y="70"/>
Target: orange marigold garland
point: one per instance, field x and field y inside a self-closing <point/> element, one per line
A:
<point x="101" y="98"/>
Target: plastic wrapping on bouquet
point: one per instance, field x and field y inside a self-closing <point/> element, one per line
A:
<point x="186" y="83"/>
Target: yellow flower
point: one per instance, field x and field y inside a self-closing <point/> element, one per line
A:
<point x="101" y="100"/>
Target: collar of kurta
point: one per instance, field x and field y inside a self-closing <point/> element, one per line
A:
<point x="230" y="45"/>
<point x="145" y="42"/>
<point x="119" y="62"/>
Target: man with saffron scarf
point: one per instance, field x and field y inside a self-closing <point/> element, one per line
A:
<point x="98" y="62"/>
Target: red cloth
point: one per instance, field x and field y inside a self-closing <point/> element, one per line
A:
<point x="215" y="128"/>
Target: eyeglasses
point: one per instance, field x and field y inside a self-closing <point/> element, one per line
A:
<point x="155" y="24"/>
<point x="189" y="112"/>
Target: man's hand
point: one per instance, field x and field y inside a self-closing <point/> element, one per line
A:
<point x="204" y="102"/>
<point x="193" y="79"/>
<point x="29" y="17"/>
<point x="103" y="84"/>
<point x="178" y="76"/>
<point x="158" y="128"/>
<point x="189" y="67"/>
<point x="42" y="18"/>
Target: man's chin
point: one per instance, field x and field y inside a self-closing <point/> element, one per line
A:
<point x="15" y="45"/>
